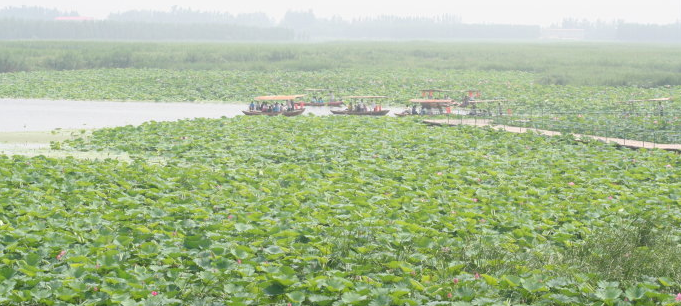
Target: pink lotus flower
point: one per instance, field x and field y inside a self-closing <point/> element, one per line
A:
<point x="571" y="183"/>
<point x="610" y="198"/>
<point x="439" y="173"/>
<point x="61" y="254"/>
<point x="238" y="261"/>
<point x="477" y="276"/>
<point x="154" y="293"/>
<point x="455" y="281"/>
<point x="483" y="220"/>
<point x="678" y="297"/>
<point x="668" y="166"/>
<point x="95" y="289"/>
<point x="450" y="295"/>
<point x="475" y="199"/>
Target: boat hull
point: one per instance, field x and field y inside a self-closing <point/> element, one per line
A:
<point x="287" y="114"/>
<point x="355" y="113"/>
<point x="329" y="104"/>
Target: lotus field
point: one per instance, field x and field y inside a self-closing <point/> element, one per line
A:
<point x="598" y="110"/>
<point x="339" y="211"/>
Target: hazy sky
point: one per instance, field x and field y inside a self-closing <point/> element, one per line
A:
<point x="543" y="12"/>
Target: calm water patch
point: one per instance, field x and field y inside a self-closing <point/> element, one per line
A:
<point x="17" y="115"/>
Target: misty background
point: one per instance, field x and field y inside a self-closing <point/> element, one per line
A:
<point x="185" y="24"/>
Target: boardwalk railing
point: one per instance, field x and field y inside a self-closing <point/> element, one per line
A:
<point x="631" y="129"/>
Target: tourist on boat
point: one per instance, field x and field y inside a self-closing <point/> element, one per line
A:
<point x="251" y="107"/>
<point x="413" y="110"/>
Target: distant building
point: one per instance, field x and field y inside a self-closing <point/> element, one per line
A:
<point x="73" y="18"/>
<point x="563" y="34"/>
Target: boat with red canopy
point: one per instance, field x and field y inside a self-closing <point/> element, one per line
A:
<point x="358" y="107"/>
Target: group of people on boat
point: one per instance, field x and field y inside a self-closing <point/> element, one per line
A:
<point x="274" y="108"/>
<point x="425" y="111"/>
<point x="361" y="107"/>
<point x="414" y="111"/>
<point x="317" y="100"/>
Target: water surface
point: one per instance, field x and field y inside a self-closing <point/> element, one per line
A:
<point x="20" y="115"/>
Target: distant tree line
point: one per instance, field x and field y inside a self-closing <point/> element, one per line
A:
<point x="188" y="16"/>
<point x="180" y="24"/>
<point x="626" y="32"/>
<point x="11" y="29"/>
<point x="32" y="13"/>
<point x="309" y="27"/>
<point x="649" y="32"/>
<point x="17" y="23"/>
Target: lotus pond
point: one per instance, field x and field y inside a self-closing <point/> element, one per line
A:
<point x="339" y="211"/>
<point x="530" y="103"/>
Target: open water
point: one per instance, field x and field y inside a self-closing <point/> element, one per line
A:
<point x="17" y="115"/>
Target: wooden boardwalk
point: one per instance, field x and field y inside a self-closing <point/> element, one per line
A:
<point x="636" y="144"/>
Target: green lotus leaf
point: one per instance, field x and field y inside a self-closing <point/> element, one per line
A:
<point x="296" y="296"/>
<point x="196" y="242"/>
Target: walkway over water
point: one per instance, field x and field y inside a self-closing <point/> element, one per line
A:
<point x="636" y="144"/>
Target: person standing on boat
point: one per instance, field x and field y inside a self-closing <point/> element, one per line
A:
<point x="251" y="107"/>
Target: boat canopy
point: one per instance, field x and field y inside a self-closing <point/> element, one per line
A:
<point x="431" y="100"/>
<point x="437" y="90"/>
<point x="365" y="97"/>
<point x="278" y="98"/>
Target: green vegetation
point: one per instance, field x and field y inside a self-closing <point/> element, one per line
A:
<point x="574" y="88"/>
<point x="590" y="64"/>
<point x="343" y="210"/>
<point x="339" y="211"/>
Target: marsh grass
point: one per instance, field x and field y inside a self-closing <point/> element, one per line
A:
<point x="629" y="251"/>
<point x="610" y="64"/>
